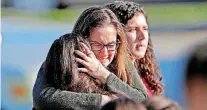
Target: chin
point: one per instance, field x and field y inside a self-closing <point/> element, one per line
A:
<point x="139" y="56"/>
<point x="142" y="55"/>
<point x="139" y="53"/>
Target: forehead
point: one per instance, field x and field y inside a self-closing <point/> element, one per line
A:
<point x="104" y="34"/>
<point x="137" y="20"/>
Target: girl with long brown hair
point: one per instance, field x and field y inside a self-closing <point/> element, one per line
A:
<point x="134" y="20"/>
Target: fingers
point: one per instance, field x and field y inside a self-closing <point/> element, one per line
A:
<point x="81" y="62"/>
<point x="83" y="70"/>
<point x="88" y="51"/>
<point x="82" y="55"/>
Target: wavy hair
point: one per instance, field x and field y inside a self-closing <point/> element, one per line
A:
<point x="147" y="65"/>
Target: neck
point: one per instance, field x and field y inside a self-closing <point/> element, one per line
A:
<point x="132" y="60"/>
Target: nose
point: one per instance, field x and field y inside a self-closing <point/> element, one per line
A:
<point x="104" y="51"/>
<point x="140" y="34"/>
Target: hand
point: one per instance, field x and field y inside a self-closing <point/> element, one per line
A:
<point x="106" y="98"/>
<point x="92" y="66"/>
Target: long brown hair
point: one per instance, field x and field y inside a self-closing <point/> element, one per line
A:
<point x="147" y="66"/>
<point x="60" y="66"/>
<point x="100" y="16"/>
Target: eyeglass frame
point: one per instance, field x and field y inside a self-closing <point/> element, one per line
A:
<point x="106" y="45"/>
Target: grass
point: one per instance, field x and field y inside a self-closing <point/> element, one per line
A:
<point x="177" y="13"/>
<point x="173" y="14"/>
<point x="68" y="15"/>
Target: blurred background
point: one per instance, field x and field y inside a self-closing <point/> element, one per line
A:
<point x="29" y="27"/>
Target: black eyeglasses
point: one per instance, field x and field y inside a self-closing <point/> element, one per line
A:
<point x="112" y="46"/>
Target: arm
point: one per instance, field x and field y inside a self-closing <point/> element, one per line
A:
<point x="45" y="96"/>
<point x="138" y="92"/>
<point x="112" y="82"/>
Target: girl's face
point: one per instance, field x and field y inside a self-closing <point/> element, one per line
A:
<point x="103" y="42"/>
<point x="137" y="35"/>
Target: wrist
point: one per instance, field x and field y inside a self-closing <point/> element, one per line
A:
<point x="104" y="75"/>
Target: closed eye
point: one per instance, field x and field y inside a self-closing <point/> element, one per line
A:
<point x="145" y="28"/>
<point x="96" y="44"/>
<point x="130" y="29"/>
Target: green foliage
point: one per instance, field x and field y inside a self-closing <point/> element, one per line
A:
<point x="177" y="13"/>
<point x="158" y="14"/>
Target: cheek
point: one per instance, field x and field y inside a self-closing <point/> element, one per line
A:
<point x="147" y="36"/>
<point x="96" y="54"/>
<point x="131" y="37"/>
<point x="130" y="40"/>
<point x="111" y="55"/>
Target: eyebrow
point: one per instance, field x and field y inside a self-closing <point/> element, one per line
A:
<point x="136" y="26"/>
<point x="102" y="43"/>
<point x="130" y="27"/>
<point x="145" y="26"/>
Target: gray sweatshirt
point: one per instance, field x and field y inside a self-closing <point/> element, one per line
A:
<point x="46" y="96"/>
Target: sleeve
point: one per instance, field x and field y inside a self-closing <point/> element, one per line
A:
<point x="45" y="96"/>
<point x="137" y="92"/>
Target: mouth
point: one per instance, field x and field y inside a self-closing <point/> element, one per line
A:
<point x="103" y="59"/>
<point x="140" y="45"/>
